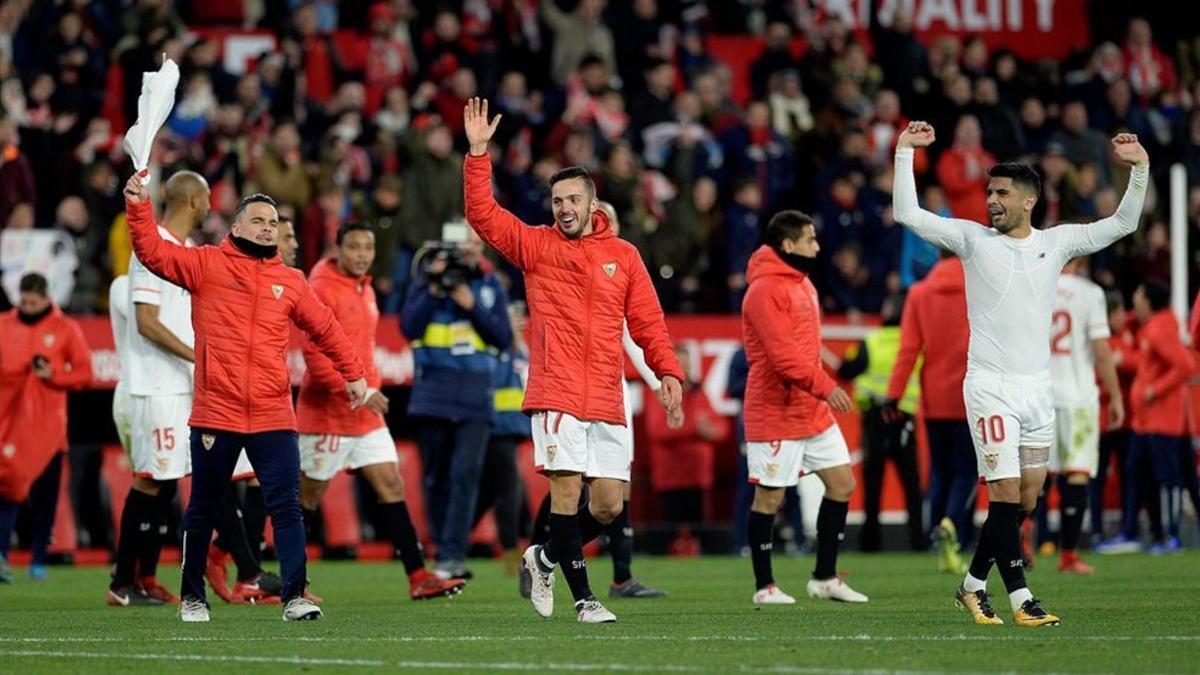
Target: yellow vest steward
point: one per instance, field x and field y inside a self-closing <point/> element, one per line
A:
<point x="870" y="388"/>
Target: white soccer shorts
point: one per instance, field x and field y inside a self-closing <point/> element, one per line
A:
<point x="595" y="449"/>
<point x="323" y="455"/>
<point x="122" y="410"/>
<point x="1007" y="413"/>
<point x="780" y="463"/>
<point x="1076" y="440"/>
<point x="159" y="436"/>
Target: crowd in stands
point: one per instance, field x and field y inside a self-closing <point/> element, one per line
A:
<point x="355" y="113"/>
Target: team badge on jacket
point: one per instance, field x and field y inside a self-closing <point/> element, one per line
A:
<point x="48" y="338"/>
<point x="277" y="289"/>
<point x="610" y="268"/>
<point x="207" y="440"/>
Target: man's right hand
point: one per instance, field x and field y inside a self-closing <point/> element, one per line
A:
<point x="839" y="400"/>
<point x="135" y="191"/>
<point x="358" y="392"/>
<point x="918" y="135"/>
<point x="475" y="123"/>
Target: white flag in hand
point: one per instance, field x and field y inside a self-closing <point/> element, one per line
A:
<point x="154" y="104"/>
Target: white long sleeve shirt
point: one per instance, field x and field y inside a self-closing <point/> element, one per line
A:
<point x="1012" y="283"/>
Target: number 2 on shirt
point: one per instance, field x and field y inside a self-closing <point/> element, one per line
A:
<point x="1059" y="344"/>
<point x="990" y="426"/>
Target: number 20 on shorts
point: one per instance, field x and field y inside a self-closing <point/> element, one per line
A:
<point x="991" y="429"/>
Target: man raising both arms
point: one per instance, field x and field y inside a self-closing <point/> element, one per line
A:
<point x="1011" y="277"/>
<point x="583" y="284"/>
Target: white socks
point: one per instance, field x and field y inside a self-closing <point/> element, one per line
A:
<point x="971" y="584"/>
<point x="1018" y="598"/>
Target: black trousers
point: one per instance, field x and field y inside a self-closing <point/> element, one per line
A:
<point x="500" y="487"/>
<point x="895" y="441"/>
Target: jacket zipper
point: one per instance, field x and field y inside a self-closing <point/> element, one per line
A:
<point x="253" y="322"/>
<point x="587" y="330"/>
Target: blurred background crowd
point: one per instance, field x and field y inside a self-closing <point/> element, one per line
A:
<point x="353" y="111"/>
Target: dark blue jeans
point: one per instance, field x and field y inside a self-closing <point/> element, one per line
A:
<point x="953" y="476"/>
<point x="453" y="454"/>
<point x="275" y="456"/>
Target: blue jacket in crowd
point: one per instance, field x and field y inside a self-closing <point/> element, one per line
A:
<point x="455" y="351"/>
<point x="510" y="395"/>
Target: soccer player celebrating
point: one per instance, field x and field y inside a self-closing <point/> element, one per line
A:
<point x="334" y="437"/>
<point x="156" y="372"/>
<point x="583" y="285"/>
<point x="1012" y="275"/>
<point x="1078" y="351"/>
<point x="789" y="406"/>
<point x="244" y="302"/>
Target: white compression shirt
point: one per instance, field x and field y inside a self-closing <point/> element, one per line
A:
<point x="1012" y="283"/>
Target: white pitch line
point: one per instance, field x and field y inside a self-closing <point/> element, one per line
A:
<point x="401" y="639"/>
<point x="440" y="665"/>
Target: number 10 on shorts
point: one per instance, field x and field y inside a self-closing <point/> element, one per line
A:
<point x="992" y="427"/>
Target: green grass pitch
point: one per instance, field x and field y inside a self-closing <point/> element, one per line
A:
<point x="1138" y="614"/>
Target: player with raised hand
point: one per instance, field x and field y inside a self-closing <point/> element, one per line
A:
<point x="1012" y="274"/>
<point x="244" y="302"/>
<point x="583" y="285"/>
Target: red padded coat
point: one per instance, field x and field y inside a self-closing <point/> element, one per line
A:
<point x="934" y="323"/>
<point x="781" y="329"/>
<point x="242" y="311"/>
<point x="323" y="406"/>
<point x="580" y="293"/>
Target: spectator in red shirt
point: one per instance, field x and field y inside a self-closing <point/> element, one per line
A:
<point x="681" y="459"/>
<point x="1114" y="441"/>
<point x="1150" y="71"/>
<point x="388" y="60"/>
<point x="963" y="171"/>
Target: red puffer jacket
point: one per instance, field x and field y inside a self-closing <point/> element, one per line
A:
<point x="781" y="328"/>
<point x="324" y="405"/>
<point x="33" y="411"/>
<point x="1163" y="368"/>
<point x="934" y="323"/>
<point x="580" y="293"/>
<point x="242" y="311"/>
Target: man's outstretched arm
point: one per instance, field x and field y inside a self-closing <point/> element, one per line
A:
<point x="948" y="233"/>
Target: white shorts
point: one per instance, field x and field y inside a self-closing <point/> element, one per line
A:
<point x="1007" y="413"/>
<point x="159" y="434"/>
<point x="122" y="410"/>
<point x="595" y="449"/>
<point x="322" y="456"/>
<point x="781" y="463"/>
<point x="243" y="470"/>
<point x="1076" y="440"/>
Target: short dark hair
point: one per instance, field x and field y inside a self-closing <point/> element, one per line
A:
<point x="786" y="226"/>
<point x="1113" y="300"/>
<point x="1021" y="174"/>
<point x="1157" y="294"/>
<point x="34" y="283"/>
<point x="575" y="172"/>
<point x="347" y="228"/>
<point x="256" y="198"/>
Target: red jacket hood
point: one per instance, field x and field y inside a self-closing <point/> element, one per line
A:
<point x="766" y="262"/>
<point x="946" y="276"/>
<point x="327" y="270"/>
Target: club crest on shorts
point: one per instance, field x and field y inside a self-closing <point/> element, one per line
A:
<point x="772" y="470"/>
<point x="277" y="289"/>
<point x="610" y="268"/>
<point x="991" y="461"/>
<point x="550" y="450"/>
<point x="48" y="339"/>
<point x="207" y="440"/>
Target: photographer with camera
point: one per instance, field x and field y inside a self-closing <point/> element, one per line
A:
<point x="456" y="316"/>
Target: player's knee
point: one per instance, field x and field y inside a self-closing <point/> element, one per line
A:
<point x="841" y="490"/>
<point x="391" y="487"/>
<point x="607" y="511"/>
<point x="767" y="500"/>
<point x="146" y="486"/>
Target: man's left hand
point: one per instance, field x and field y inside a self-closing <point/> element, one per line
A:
<point x="463" y="297"/>
<point x="377" y="403"/>
<point x="1127" y="149"/>
<point x="1116" y="413"/>
<point x="671" y="396"/>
